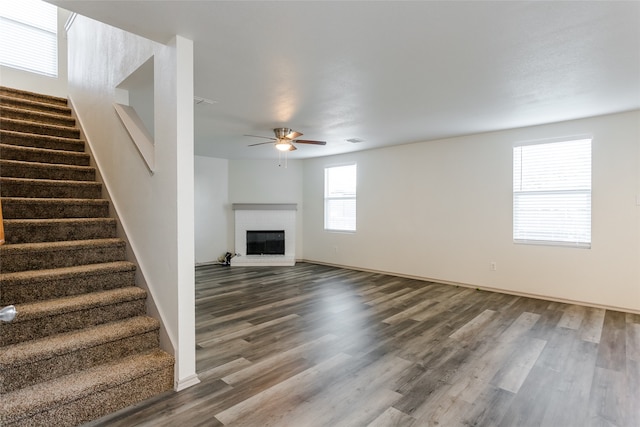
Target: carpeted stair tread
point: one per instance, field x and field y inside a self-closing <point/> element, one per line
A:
<point x="40" y="309"/>
<point x="46" y="318"/>
<point x="49" y="188"/>
<point x="36" y="140"/>
<point x="48" y="347"/>
<point x="27" y="363"/>
<point x="34" y="285"/>
<point x="43" y="155"/>
<point x="57" y="229"/>
<point x="40" y="208"/>
<point x="66" y="272"/>
<point x="53" y="396"/>
<point x="35" y="170"/>
<point x="36" y="256"/>
<point x="27" y="126"/>
<point x="17" y="113"/>
<point x="34" y="96"/>
<point x="29" y="104"/>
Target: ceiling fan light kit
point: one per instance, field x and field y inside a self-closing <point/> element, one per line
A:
<point x="284" y="139"/>
<point x="284" y="145"/>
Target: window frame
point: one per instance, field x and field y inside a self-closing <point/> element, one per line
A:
<point x="329" y="198"/>
<point x="582" y="239"/>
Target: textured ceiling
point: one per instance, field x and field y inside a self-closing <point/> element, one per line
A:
<point x="390" y="72"/>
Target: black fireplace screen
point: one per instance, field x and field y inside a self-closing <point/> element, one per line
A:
<point x="265" y="242"/>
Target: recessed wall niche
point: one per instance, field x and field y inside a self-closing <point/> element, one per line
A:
<point x="134" y="105"/>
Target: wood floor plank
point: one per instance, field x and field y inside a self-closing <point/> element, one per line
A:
<point x="573" y="386"/>
<point x="513" y="374"/>
<point x="368" y="388"/>
<point x="284" y="394"/>
<point x="276" y="360"/>
<point x="591" y="328"/>
<point x="612" y="348"/>
<point x="632" y="409"/>
<point x="489" y="408"/>
<point x="236" y="334"/>
<point x="472" y="328"/>
<point x="608" y="400"/>
<point x="572" y="317"/>
<point x="393" y="417"/>
<point x="529" y="405"/>
<point x="633" y="341"/>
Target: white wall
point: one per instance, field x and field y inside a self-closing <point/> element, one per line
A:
<point x="212" y="214"/>
<point x="263" y="181"/>
<point x="442" y="210"/>
<point x="55" y="86"/>
<point x="156" y="210"/>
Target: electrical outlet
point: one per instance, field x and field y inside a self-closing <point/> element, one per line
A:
<point x="493" y="266"/>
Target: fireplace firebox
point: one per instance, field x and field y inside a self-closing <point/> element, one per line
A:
<point x="265" y="242"/>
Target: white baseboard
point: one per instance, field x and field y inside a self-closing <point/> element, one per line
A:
<point x="187" y="382"/>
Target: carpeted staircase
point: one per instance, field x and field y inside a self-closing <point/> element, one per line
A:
<point x="81" y="345"/>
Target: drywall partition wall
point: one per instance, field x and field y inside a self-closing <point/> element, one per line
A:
<point x="155" y="210"/>
<point x="263" y="181"/>
<point x="25" y="80"/>
<point x="211" y="214"/>
<point x="442" y="210"/>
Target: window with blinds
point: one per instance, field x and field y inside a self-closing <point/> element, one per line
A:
<point x="552" y="193"/>
<point x="29" y="34"/>
<point x="340" y="198"/>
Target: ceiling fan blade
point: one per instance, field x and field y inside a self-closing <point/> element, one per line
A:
<point x="258" y="136"/>
<point x="293" y="135"/>
<point x="307" y="141"/>
<point x="260" y="143"/>
<point x="293" y="147"/>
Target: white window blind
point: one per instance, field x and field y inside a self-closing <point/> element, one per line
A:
<point x="340" y="198"/>
<point x="29" y="34"/>
<point x="552" y="193"/>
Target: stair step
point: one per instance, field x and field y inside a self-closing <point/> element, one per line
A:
<point x="37" y="256"/>
<point x="32" y="208"/>
<point x="46" y="318"/>
<point x="87" y="395"/>
<point x="25" y="126"/>
<point x="12" y="112"/>
<point x="50" y="188"/>
<point x="33" y="96"/>
<point x="36" y="140"/>
<point x="54" y="230"/>
<point x="28" y="104"/>
<point x="33" y="170"/>
<point x="30" y="362"/>
<point x="37" y="285"/>
<point x="42" y="155"/>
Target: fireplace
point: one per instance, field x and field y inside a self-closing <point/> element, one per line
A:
<point x="265" y="234"/>
<point x="265" y="242"/>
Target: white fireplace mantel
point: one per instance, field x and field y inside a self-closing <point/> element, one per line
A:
<point x="264" y="216"/>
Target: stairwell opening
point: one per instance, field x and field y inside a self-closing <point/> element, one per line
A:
<point x="136" y="109"/>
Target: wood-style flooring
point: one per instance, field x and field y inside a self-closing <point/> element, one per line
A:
<point x="314" y="345"/>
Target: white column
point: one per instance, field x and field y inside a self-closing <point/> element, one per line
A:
<point x="185" y="352"/>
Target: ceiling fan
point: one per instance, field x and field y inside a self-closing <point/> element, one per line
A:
<point x="285" y="138"/>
